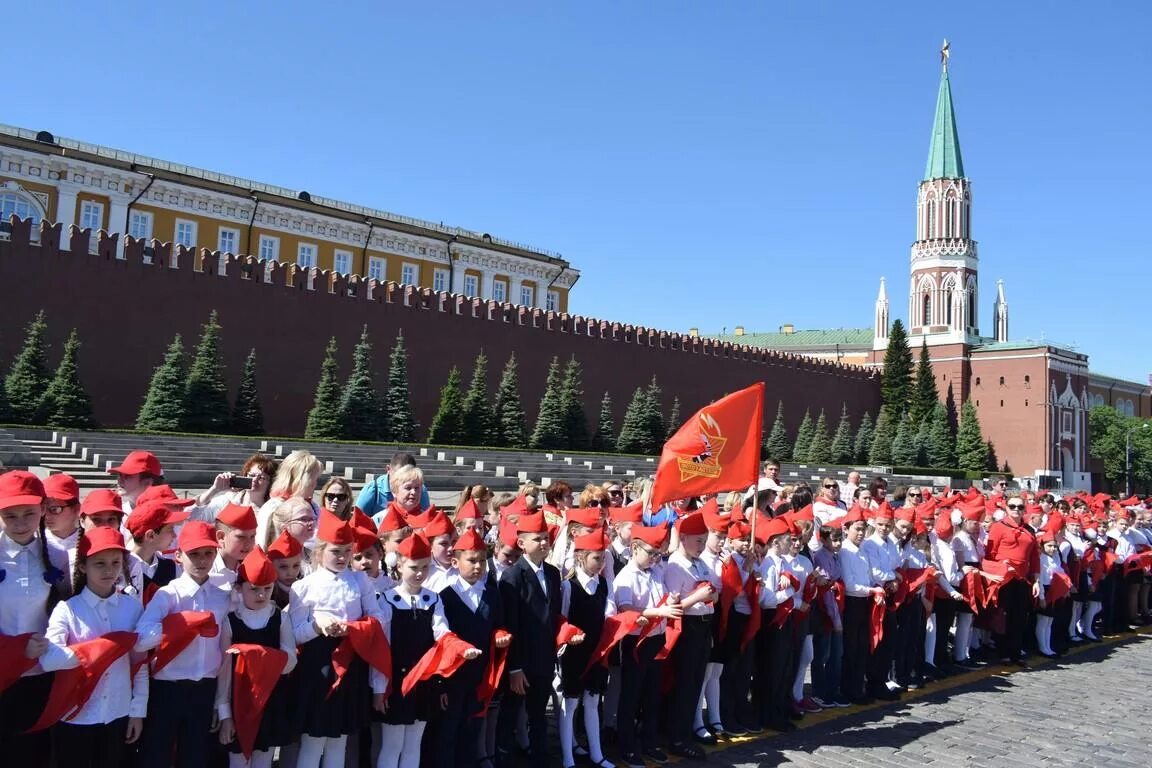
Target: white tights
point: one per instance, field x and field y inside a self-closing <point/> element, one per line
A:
<point x="1044" y="634"/>
<point x="930" y="639"/>
<point x="963" y="636"/>
<point x="710" y="694"/>
<point x="319" y="752"/>
<point x="261" y="758"/>
<point x="567" y="719"/>
<point x="806" y="654"/>
<point x="1077" y="612"/>
<point x="400" y="745"/>
<point x="1092" y="608"/>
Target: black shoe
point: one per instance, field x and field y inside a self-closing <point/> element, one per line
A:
<point x="783" y="726"/>
<point x="656" y="755"/>
<point x="861" y="701"/>
<point x="633" y="760"/>
<point x="735" y="730"/>
<point x="887" y="695"/>
<point x="687" y="750"/>
<point x="1022" y="663"/>
<point x="703" y="736"/>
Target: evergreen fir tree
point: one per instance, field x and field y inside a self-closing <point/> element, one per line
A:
<point x="448" y="424"/>
<point x="4" y="415"/>
<point x="673" y="421"/>
<point x="863" y="442"/>
<point x="924" y="393"/>
<point x="605" y="438"/>
<point x="777" y="445"/>
<point x="971" y="451"/>
<point x="360" y="409"/>
<point x="654" y="435"/>
<point x="163" y="408"/>
<point x="803" y="438"/>
<point x="549" y="431"/>
<point x="247" y="415"/>
<point x="904" y="443"/>
<point x="923" y="442"/>
<point x="942" y="444"/>
<point x="324" y="418"/>
<point x="820" y="449"/>
<point x="884" y="434"/>
<point x="206" y="393"/>
<point x="572" y="406"/>
<point x="28" y="378"/>
<point x="631" y="438"/>
<point x="479" y="427"/>
<point x="66" y="402"/>
<point x="511" y="426"/>
<point x="842" y="447"/>
<point x="896" y="381"/>
<point x="398" y="424"/>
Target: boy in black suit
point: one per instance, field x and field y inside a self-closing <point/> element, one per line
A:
<point x="530" y="591"/>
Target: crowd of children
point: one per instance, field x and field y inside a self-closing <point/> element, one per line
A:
<point x="139" y="629"/>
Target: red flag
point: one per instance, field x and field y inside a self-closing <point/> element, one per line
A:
<point x="1060" y="587"/>
<point x="877" y="621"/>
<point x="13" y="662"/>
<point x="717" y="449"/>
<point x="443" y="658"/>
<point x="731" y="584"/>
<point x="566" y="632"/>
<point x="615" y="629"/>
<point x="255" y="672"/>
<point x="495" y="670"/>
<point x="752" y="591"/>
<point x="71" y="688"/>
<point x="179" y="630"/>
<point x="365" y="639"/>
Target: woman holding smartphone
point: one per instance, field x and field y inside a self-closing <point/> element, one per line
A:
<point x="250" y="487"/>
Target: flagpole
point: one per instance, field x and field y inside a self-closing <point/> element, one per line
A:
<point x="756" y="492"/>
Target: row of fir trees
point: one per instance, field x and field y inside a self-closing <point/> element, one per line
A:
<point x="34" y="395"/>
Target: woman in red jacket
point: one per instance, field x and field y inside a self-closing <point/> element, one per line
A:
<point x="1011" y="551"/>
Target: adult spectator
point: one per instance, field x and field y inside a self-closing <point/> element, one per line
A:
<point x="771" y="471"/>
<point x="828" y="507"/>
<point x="336" y="497"/>
<point x="480" y="495"/>
<point x="375" y="496"/>
<point x="615" y="493"/>
<point x="879" y="490"/>
<point x="1012" y="553"/>
<point x="296" y="477"/>
<point x="139" y="471"/>
<point x="557" y="501"/>
<point x="258" y="469"/>
<point x="851" y="485"/>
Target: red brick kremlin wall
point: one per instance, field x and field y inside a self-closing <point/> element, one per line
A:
<point x="127" y="312"/>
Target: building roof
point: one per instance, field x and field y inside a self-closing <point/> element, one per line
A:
<point x="803" y="339"/>
<point x="944" y="161"/>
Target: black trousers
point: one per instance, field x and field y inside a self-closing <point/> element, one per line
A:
<point x="89" y="746"/>
<point x="535" y="703"/>
<point x="736" y="679"/>
<point x="20" y="707"/>
<point x="1015" y="599"/>
<point x="689" y="660"/>
<point x="777" y="702"/>
<point x="458" y="735"/>
<point x="908" y="653"/>
<point x="179" y="716"/>
<point x="640" y="680"/>
<point x="880" y="662"/>
<point x="945" y="611"/>
<point x="857" y="640"/>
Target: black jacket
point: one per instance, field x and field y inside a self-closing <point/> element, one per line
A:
<point x="532" y="617"/>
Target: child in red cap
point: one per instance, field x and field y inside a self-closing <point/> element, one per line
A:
<point x="236" y="533"/>
<point x="286" y="554"/>
<point x="152" y="526"/>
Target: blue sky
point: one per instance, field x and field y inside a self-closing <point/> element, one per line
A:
<point x="705" y="164"/>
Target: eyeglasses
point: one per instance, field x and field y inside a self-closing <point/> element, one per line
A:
<point x="913" y="495"/>
<point x="335" y="496"/>
<point x="308" y="523"/>
<point x="616" y="493"/>
<point x="1002" y="484"/>
<point x="603" y="502"/>
<point x="1015" y="506"/>
<point x="830" y="487"/>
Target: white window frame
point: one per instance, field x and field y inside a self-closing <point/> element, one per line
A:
<point x="500" y="290"/>
<point x="552" y="301"/>
<point x="527" y="296"/>
<point x="191" y="227"/>
<point x="471" y="284"/>
<point x="91" y="215"/>
<point x="440" y="280"/>
<point x="306" y="255"/>
<point x="377" y="268"/>
<point x="235" y="233"/>
<point x="341" y="255"/>
<point x="140" y="225"/>
<point x="410" y="273"/>
<point x="269" y="247"/>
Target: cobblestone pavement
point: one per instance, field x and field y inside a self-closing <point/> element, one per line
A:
<point x="1029" y="717"/>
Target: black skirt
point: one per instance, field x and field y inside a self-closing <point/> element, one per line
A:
<point x="343" y="712"/>
<point x="573" y="682"/>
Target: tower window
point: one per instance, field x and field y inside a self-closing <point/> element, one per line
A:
<point x="1001" y="381"/>
<point x="927" y="310"/>
<point x="947" y="307"/>
<point x="977" y="381"/>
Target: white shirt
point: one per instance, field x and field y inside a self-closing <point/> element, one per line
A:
<point x="800" y="566"/>
<point x="770" y="595"/>
<point x="348" y="595"/>
<point x="540" y="577"/>
<point x="1048" y="566"/>
<point x="639" y="590"/>
<point x="253" y="620"/>
<point x="967" y="549"/>
<point x="1125" y="542"/>
<point x="438" y="577"/>
<point x="138" y="569"/>
<point x="201" y="659"/>
<point x="87" y="617"/>
<point x="856" y="572"/>
<point x="24" y="594"/>
<point x="944" y="558"/>
<point x="883" y="557"/>
<point x="682" y="575"/>
<point x="470" y="594"/>
<point x="589" y="584"/>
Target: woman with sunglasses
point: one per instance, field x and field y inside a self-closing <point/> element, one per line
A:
<point x="1011" y="551"/>
<point x="828" y="506"/>
<point x="336" y="497"/>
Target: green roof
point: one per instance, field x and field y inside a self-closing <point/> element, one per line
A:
<point x="829" y="337"/>
<point x="944" y="161"/>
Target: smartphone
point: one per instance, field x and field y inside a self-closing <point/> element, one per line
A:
<point x="244" y="483"/>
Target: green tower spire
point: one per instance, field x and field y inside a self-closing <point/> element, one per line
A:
<point x="944" y="161"/>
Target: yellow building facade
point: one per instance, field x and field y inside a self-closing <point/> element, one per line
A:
<point x="95" y="187"/>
